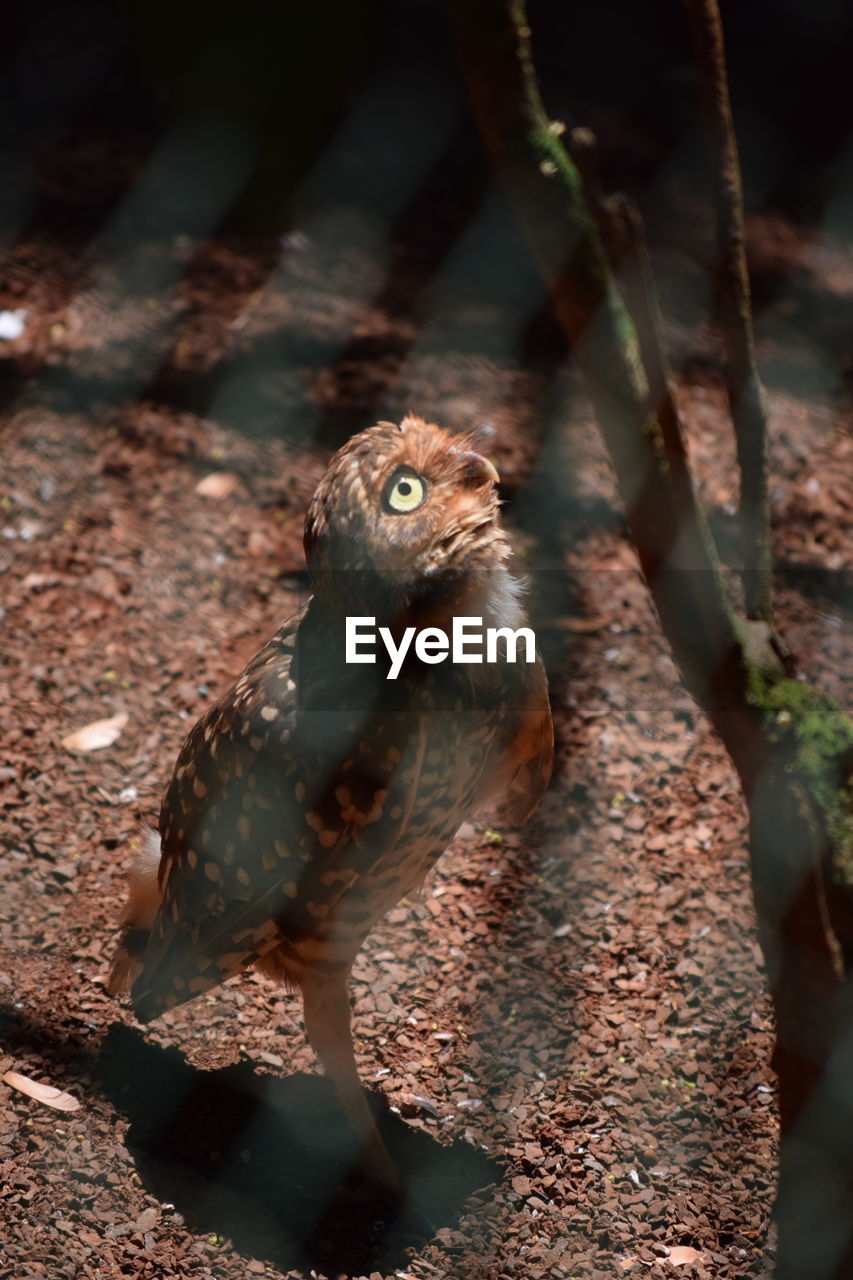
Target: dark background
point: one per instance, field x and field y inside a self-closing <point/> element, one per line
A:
<point x="238" y="233"/>
<point x="257" y="117"/>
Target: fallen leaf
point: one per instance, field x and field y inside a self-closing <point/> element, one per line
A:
<point x="45" y="1093"/>
<point x="681" y="1254"/>
<point x="219" y="484"/>
<point x="100" y="733"/>
<point x="271" y="1059"/>
<point x="40" y="581"/>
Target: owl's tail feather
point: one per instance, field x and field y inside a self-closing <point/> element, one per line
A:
<point x="138" y="916"/>
<point x="533" y="750"/>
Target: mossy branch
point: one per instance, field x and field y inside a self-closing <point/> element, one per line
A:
<point x="795" y="777"/>
<point x="675" y="549"/>
<point x="814" y="736"/>
<point x="743" y="383"/>
<point x="624" y="238"/>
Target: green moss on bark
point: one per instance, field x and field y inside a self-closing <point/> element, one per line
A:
<point x="815" y="736"/>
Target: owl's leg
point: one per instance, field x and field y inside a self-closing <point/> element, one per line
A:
<point x="327" y="1025"/>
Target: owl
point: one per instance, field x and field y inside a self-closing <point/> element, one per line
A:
<point x="317" y="792"/>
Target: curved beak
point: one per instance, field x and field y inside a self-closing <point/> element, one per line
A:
<point x="479" y="470"/>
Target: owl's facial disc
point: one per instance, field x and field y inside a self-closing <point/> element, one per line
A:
<point x="399" y="507"/>
<point x="436" y="520"/>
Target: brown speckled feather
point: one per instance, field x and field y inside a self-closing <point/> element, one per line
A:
<point x="315" y="794"/>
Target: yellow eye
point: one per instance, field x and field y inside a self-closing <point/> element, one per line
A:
<point x="405" y="491"/>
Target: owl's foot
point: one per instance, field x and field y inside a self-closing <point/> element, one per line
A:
<point x="380" y="1196"/>
<point x="376" y="1167"/>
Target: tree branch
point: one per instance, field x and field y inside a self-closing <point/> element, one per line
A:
<point x="675" y="550"/>
<point x="745" y="392"/>
<point x="791" y="746"/>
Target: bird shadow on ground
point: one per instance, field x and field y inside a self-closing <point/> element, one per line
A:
<point x="268" y="1161"/>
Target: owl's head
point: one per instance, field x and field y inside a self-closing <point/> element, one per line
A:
<point x="405" y="508"/>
